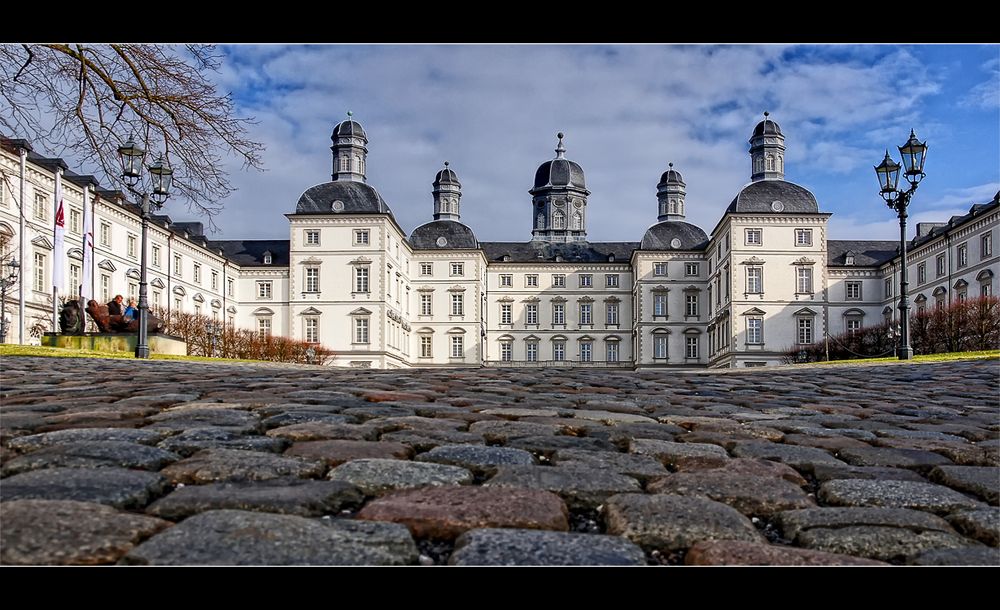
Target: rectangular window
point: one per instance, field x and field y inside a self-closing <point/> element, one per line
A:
<point x="457" y="346"/>
<point x="312" y="238"/>
<point x="457" y="304"/>
<point x="506" y="281"/>
<point x="586" y="351"/>
<point x="105" y="234"/>
<point x="611" y="309"/>
<point x="75" y="218"/>
<point x="691" y="344"/>
<point x="804" y="280"/>
<point x="888" y="287"/>
<point x="531" y="280"/>
<point x="263" y="326"/>
<point x="940" y="265"/>
<point x="156" y="298"/>
<point x="215" y="280"/>
<point x="531" y="351"/>
<point x="133" y="290"/>
<point x="361" y="330"/>
<point x="586" y="313"/>
<point x="921" y="273"/>
<point x="426" y="269"/>
<point x="691" y="305"/>
<point x="155" y="255"/>
<point x="558" y="281"/>
<point x="803" y="237"/>
<point x="197" y="309"/>
<point x="361" y="238"/>
<point x="755" y="284"/>
<point x="74" y="277"/>
<point x="263" y="290"/>
<point x="986" y="244"/>
<point x="853" y="291"/>
<point x="130" y="245"/>
<point x="690" y="268"/>
<point x="312" y="330"/>
<point x="231" y="286"/>
<point x="805" y="331"/>
<point x="179" y="309"/>
<point x="853" y="325"/>
<point x="586" y="280"/>
<point x="197" y="273"/>
<point x="177" y="265"/>
<point x="361" y="279"/>
<point x="660" y="347"/>
<point x="659" y="305"/>
<point x="426" y="346"/>
<point x="531" y="313"/>
<point x="558" y="351"/>
<point x="458" y="268"/>
<point x="312" y="279"/>
<point x="660" y="269"/>
<point x="611" y="351"/>
<point x="984" y="289"/>
<point x="39" y="275"/>
<point x="558" y="313"/>
<point x="963" y="256"/>
<point x="754" y="237"/>
<point x="425" y="304"/>
<point x="962" y="296"/>
<point x="755" y="331"/>
<point x="506" y="313"/>
<point x="105" y="288"/>
<point x="41" y="206"/>
<point x="611" y="280"/>
<point x="506" y="351"/>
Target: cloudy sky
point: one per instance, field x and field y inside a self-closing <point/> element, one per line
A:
<point x="627" y="110"/>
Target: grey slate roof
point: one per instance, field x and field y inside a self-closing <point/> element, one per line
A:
<point x="250" y="252"/>
<point x="867" y="253"/>
<point x="954" y="221"/>
<point x="358" y="198"/>
<point x="757" y="197"/>
<point x="573" y="252"/>
<point x="671" y="176"/>
<point x="559" y="172"/>
<point x="767" y="126"/>
<point x="349" y="128"/>
<point x="455" y="234"/>
<point x="661" y="235"/>
<point x="446" y="176"/>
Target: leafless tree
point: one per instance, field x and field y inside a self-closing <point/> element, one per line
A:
<point x="83" y="101"/>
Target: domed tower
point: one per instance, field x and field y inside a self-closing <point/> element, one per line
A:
<point x="767" y="151"/>
<point x="559" y="200"/>
<point x="447" y="195"/>
<point x="670" y="193"/>
<point x="349" y="151"/>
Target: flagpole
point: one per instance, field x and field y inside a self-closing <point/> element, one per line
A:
<point x="58" y="251"/>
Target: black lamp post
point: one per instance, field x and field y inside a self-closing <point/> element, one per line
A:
<point x="6" y="282"/>
<point x="162" y="177"/>
<point x="914" y="153"/>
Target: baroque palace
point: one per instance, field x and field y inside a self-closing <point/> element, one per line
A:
<point x="766" y="280"/>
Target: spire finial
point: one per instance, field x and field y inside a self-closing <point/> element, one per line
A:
<point x="766" y="114"/>
<point x="349" y="115"/>
<point x="560" y="149"/>
<point x="446" y="164"/>
<point x="670" y="165"/>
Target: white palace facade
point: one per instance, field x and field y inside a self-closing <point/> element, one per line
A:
<point x="766" y="280"/>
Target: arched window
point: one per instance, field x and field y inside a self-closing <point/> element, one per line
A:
<point x="781" y="163"/>
<point x="345" y="164"/>
<point x="577" y="221"/>
<point x="769" y="163"/>
<point x="673" y="206"/>
<point x="540" y="221"/>
<point x="558" y="220"/>
<point x="357" y="164"/>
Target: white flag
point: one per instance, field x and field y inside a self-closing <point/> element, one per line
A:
<point x="58" y="254"/>
<point x="88" y="248"/>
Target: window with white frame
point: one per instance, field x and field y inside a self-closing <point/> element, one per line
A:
<point x="361" y="237"/>
<point x="177" y="265"/>
<point x="804" y="280"/>
<point x="458" y="269"/>
<point x="230" y="286"/>
<point x="197" y="273"/>
<point x="179" y="307"/>
<point x="41" y="209"/>
<point x="888" y="287"/>
<point x="690" y="269"/>
<point x="156" y="298"/>
<point x="586" y="313"/>
<point x="586" y="351"/>
<point x="691" y="305"/>
<point x="558" y="281"/>
<point x="263" y="290"/>
<point x="215" y="280"/>
<point x="425" y="304"/>
<point x="805" y="330"/>
<point x="660" y="346"/>
<point x="940" y="265"/>
<point x="74" y="277"/>
<point x="853" y="324"/>
<point x="611" y="280"/>
<point x="361" y="279"/>
<point x="426" y="269"/>
<point x="558" y="351"/>
<point x="39" y="272"/>
<point x="531" y="313"/>
<point x="268" y="258"/>
<point x="984" y="288"/>
<point x="457" y="304"/>
<point x="754" y="237"/>
<point x="263" y="325"/>
<point x="531" y="351"/>
<point x="312" y="330"/>
<point x="611" y="351"/>
<point x="105" y="234"/>
<point x="986" y="244"/>
<point x="361" y="330"/>
<point x="755" y="330"/>
<point x="962" y="296"/>
<point x="803" y="237"/>
<point x="312" y="279"/>
<point x="691" y="347"/>
<point x="922" y="273"/>
<point x="426" y="346"/>
<point x="75" y="219"/>
<point x="457" y="346"/>
<point x="963" y="256"/>
<point x="755" y="280"/>
<point x="506" y="313"/>
<point x="312" y="237"/>
<point x="133" y="291"/>
<point x="130" y="245"/>
<point x="506" y="280"/>
<point x="586" y="280"/>
<point x="531" y="280"/>
<point x="506" y="351"/>
<point x="660" y="269"/>
<point x="611" y="314"/>
<point x="155" y="255"/>
<point x="558" y="313"/>
<point x="105" y="288"/>
<point x="853" y="291"/>
<point x="659" y="304"/>
<point x="197" y="309"/>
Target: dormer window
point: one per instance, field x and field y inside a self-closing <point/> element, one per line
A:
<point x="849" y="258"/>
<point x="267" y="258"/>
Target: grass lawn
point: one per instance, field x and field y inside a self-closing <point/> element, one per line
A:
<point x="992" y="354"/>
<point x="58" y="352"/>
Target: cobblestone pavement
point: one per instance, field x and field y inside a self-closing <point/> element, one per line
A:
<point x="161" y="462"/>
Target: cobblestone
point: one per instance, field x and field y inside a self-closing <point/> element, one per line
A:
<point x="581" y="488"/>
<point x="981" y="481"/>
<point x="377" y="476"/>
<point x="301" y="497"/>
<point x="509" y="547"/>
<point x="92" y="454"/>
<point x="982" y="525"/>
<point x="896" y="494"/>
<point x="751" y="495"/>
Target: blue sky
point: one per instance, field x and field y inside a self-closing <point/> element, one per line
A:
<point x="627" y="110"/>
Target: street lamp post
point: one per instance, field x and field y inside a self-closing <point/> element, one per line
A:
<point x="914" y="153"/>
<point x="162" y="177"/>
<point x="6" y="282"/>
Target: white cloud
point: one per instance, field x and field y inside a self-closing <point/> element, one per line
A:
<point x="986" y="95"/>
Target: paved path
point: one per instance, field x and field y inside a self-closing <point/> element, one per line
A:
<point x="112" y="461"/>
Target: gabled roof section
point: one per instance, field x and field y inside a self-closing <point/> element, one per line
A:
<point x="250" y="252"/>
<point x="867" y="253"/>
